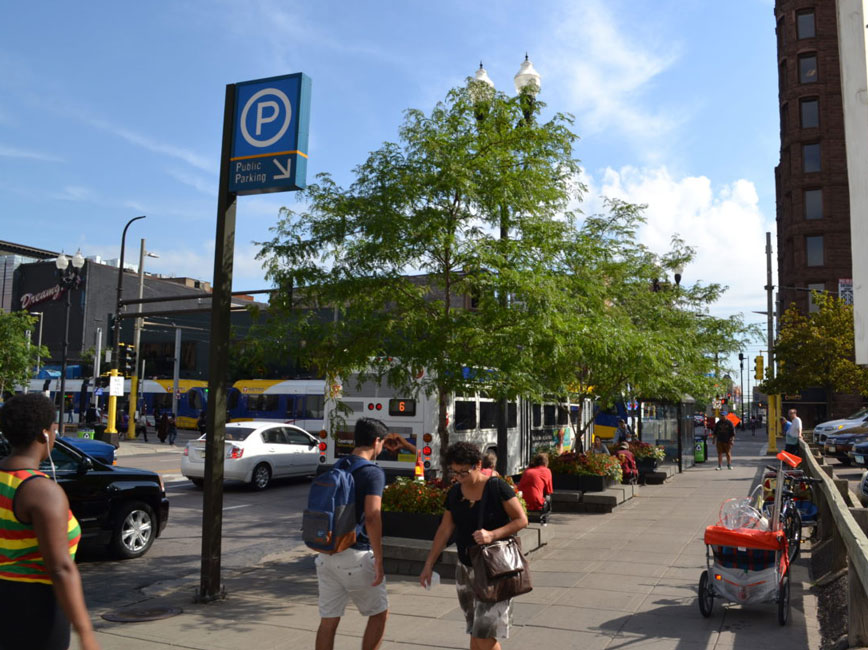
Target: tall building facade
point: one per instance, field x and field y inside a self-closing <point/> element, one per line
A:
<point x="813" y="202"/>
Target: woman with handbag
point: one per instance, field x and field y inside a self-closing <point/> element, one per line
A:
<point x="484" y="515"/>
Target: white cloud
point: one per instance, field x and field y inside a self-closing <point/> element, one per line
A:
<point x="725" y="225"/>
<point x="14" y="152"/>
<point x="603" y="71"/>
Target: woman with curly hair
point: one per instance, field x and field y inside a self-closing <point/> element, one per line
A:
<point x="40" y="587"/>
<point x="503" y="516"/>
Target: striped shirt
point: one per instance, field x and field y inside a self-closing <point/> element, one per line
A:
<point x="20" y="559"/>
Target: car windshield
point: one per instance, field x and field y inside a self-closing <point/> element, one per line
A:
<point x="236" y="434"/>
<point x="858" y="415"/>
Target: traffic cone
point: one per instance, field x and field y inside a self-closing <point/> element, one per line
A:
<point x="420" y="468"/>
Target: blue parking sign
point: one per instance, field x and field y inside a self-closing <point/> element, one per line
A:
<point x="270" y="134"/>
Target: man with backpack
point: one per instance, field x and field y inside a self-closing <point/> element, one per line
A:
<point x="350" y="563"/>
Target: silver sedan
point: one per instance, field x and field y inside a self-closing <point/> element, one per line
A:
<point x="255" y="453"/>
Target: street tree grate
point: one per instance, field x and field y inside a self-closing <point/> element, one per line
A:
<point x="139" y="615"/>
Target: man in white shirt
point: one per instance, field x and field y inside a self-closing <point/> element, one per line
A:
<point x="794" y="433"/>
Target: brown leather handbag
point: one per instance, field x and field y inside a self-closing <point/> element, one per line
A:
<point x="500" y="570"/>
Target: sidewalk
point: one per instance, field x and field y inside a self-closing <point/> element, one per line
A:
<point x="138" y="446"/>
<point x="622" y="580"/>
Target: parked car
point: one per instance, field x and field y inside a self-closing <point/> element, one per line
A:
<point x="841" y="444"/>
<point x="102" y="451"/>
<point x="255" y="453"/>
<point x="825" y="429"/>
<point x="120" y="508"/>
<point x="859" y="454"/>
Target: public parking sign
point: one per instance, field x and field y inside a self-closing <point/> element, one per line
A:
<point x="269" y="142"/>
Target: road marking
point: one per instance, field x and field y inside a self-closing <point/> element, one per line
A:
<point x="245" y="505"/>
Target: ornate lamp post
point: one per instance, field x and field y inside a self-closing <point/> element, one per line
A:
<point x="481" y="90"/>
<point x="69" y="277"/>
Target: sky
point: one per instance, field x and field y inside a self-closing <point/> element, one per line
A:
<point x="110" y="110"/>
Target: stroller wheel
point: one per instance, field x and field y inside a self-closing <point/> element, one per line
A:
<point x="784" y="601"/>
<point x="706" y="595"/>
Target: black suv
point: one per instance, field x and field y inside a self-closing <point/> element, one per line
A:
<point x="121" y="508"/>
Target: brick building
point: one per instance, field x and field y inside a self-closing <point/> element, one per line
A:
<point x="813" y="202"/>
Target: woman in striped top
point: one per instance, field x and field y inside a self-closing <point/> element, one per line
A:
<point x="40" y="587"/>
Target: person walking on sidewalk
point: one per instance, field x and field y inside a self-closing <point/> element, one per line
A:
<point x="357" y="572"/>
<point x="503" y="516"/>
<point x="724" y="435"/>
<point x="793" y="433"/>
<point x="40" y="586"/>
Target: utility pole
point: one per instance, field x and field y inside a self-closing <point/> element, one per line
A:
<point x="774" y="402"/>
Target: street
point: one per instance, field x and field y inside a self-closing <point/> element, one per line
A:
<point x="255" y="526"/>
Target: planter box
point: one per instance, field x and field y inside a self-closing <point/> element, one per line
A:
<point x="594" y="483"/>
<point x="410" y="524"/>
<point x="646" y="465"/>
<point x="566" y="482"/>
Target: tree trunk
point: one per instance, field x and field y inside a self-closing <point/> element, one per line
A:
<point x="442" y="427"/>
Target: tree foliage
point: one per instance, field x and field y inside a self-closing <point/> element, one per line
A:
<point x="17" y="355"/>
<point x="817" y="350"/>
<point x="456" y="249"/>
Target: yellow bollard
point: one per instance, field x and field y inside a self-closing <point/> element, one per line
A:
<point x="134" y="403"/>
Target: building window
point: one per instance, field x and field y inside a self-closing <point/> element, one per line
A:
<point x="813" y="307"/>
<point x="805" y="27"/>
<point x="813" y="204"/>
<point x="810" y="112"/>
<point x="807" y="68"/>
<point x="811" y="157"/>
<point x="814" y="250"/>
<point x="784" y="109"/>
<point x="782" y="77"/>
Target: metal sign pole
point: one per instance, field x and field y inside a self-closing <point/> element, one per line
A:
<point x="210" y="586"/>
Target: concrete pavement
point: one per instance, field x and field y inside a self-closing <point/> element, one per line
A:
<point x="621" y="580"/>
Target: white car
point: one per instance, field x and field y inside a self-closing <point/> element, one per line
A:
<point x="825" y="429"/>
<point x="255" y="453"/>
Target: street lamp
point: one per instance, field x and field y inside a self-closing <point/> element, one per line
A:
<point x="112" y="414"/>
<point x="38" y="341"/>
<point x="134" y="384"/>
<point x="69" y="278"/>
<point x="481" y="90"/>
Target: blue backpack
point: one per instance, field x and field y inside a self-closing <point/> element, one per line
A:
<point x="330" y="524"/>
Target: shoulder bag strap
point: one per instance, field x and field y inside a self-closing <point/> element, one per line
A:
<point x="482" y="503"/>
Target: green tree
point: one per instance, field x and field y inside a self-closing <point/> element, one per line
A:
<point x="474" y="208"/>
<point x="17" y="355"/>
<point x="817" y="350"/>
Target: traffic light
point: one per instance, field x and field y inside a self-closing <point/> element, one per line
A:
<point x="127" y="360"/>
<point x="758" y="367"/>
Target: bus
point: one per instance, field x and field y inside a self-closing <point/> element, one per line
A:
<point x="470" y="418"/>
<point x="155" y="394"/>
<point x="606" y="421"/>
<point x="293" y="401"/>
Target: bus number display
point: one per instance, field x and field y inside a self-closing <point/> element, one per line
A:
<point x="401" y="407"/>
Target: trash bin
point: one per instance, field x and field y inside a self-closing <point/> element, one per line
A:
<point x="86" y="433"/>
<point x="98" y="431"/>
<point x="700" y="449"/>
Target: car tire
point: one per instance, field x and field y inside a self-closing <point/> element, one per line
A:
<point x="261" y="477"/>
<point x="198" y="482"/>
<point x="134" y="531"/>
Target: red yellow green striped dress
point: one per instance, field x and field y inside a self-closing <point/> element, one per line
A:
<point x="20" y="559"/>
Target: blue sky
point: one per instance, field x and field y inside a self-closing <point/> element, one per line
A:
<point x="111" y="110"/>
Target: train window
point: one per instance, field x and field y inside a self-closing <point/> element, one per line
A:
<point x="232" y="399"/>
<point x="563" y="415"/>
<point x="263" y="402"/>
<point x="536" y="411"/>
<point x="314" y="407"/>
<point x="465" y="414"/>
<point x="512" y="415"/>
<point x="163" y="401"/>
<point x="194" y="399"/>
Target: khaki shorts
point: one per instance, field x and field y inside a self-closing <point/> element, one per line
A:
<point x="484" y="620"/>
<point x="724" y="447"/>
<point x="348" y="575"/>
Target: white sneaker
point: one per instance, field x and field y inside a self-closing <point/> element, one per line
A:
<point x="718" y="468"/>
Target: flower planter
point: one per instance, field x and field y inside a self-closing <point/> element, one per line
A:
<point x="591" y="483"/>
<point x="646" y="465"/>
<point x="566" y="482"/>
<point x="410" y="524"/>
